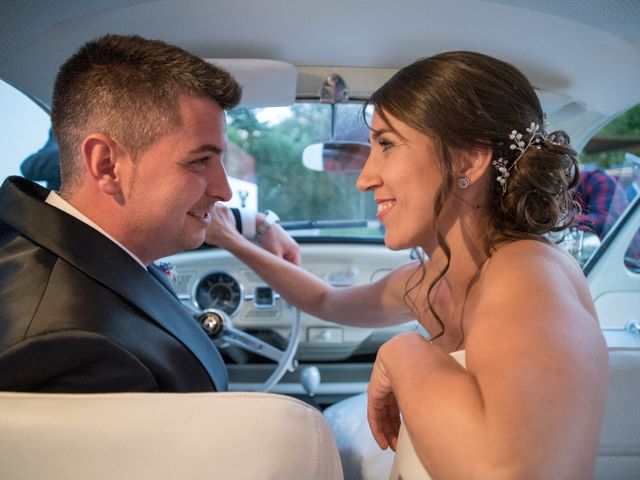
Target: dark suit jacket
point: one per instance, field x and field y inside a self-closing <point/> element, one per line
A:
<point x="78" y="314"/>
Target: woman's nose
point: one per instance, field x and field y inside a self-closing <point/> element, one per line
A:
<point x="368" y="179"/>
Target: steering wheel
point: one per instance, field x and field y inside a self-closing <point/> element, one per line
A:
<point x="219" y="327"/>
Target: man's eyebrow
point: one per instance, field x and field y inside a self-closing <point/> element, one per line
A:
<point x="208" y="148"/>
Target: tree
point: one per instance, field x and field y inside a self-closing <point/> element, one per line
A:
<point x="624" y="126"/>
<point x="285" y="184"/>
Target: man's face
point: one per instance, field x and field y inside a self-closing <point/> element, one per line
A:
<point x="175" y="183"/>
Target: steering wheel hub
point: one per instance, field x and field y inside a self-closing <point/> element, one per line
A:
<point x="218" y="326"/>
<point x="212" y="322"/>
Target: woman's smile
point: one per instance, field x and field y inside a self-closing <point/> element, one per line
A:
<point x="384" y="207"/>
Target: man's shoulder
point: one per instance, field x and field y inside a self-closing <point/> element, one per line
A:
<point x="597" y="176"/>
<point x="72" y="361"/>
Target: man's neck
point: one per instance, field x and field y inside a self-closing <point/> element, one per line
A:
<point x="57" y="201"/>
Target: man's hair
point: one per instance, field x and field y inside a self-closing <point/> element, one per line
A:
<point x="127" y="87"/>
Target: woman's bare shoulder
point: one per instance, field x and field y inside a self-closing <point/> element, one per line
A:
<point x="532" y="258"/>
<point x="533" y="300"/>
<point x="535" y="280"/>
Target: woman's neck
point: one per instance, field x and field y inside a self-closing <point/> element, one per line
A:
<point x="451" y="294"/>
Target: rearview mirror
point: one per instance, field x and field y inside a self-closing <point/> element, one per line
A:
<point x="336" y="156"/>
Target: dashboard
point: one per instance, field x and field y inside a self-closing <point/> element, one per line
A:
<point x="212" y="277"/>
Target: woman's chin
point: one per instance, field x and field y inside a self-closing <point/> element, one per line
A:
<point x="395" y="243"/>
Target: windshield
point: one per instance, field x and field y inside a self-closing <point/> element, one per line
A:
<point x="280" y="158"/>
<point x="265" y="160"/>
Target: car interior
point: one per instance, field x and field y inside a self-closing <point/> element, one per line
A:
<point x="296" y="144"/>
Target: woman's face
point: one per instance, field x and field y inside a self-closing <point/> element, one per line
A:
<point x="403" y="171"/>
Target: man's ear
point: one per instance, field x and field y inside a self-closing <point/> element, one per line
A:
<point x="101" y="155"/>
<point x="473" y="163"/>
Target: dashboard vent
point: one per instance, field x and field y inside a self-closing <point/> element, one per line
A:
<point x="251" y="276"/>
<point x="263" y="314"/>
<point x="184" y="281"/>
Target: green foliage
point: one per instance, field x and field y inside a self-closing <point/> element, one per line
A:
<point x="625" y="125"/>
<point x="603" y="159"/>
<point x="285" y="184"/>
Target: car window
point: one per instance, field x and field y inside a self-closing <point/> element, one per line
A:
<point x="266" y="151"/>
<point x="610" y="182"/>
<point x="266" y="168"/>
<point x="24" y="128"/>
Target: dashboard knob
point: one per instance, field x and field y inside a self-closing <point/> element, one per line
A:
<point x="310" y="379"/>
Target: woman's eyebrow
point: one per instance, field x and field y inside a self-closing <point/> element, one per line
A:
<point x="375" y="134"/>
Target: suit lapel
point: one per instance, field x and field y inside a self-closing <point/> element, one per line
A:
<point x="100" y="258"/>
<point x="159" y="275"/>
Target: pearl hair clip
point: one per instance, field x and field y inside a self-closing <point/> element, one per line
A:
<point x="518" y="143"/>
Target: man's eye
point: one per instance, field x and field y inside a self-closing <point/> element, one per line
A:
<point x="199" y="163"/>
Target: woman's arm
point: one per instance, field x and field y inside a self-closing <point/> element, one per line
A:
<point x="531" y="401"/>
<point x="373" y="305"/>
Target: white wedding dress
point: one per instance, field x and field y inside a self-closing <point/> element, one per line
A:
<point x="406" y="465"/>
<point x="361" y="457"/>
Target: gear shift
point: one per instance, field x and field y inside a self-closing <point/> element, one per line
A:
<point x="310" y="379"/>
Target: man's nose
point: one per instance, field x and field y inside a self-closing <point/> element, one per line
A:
<point x="218" y="185"/>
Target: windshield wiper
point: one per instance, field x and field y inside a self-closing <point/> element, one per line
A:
<point x="312" y="224"/>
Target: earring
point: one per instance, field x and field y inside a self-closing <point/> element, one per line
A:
<point x="463" y="182"/>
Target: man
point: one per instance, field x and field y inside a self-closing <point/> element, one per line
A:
<point x="44" y="165"/>
<point x="141" y="131"/>
<point x="602" y="201"/>
<point x="633" y="187"/>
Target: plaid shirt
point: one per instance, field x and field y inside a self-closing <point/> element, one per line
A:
<point x="602" y="201"/>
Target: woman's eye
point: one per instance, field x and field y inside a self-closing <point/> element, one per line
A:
<point x="385" y="144"/>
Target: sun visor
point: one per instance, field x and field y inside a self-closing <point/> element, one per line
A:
<point x="265" y="83"/>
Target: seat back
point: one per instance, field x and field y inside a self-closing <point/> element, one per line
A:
<point x="157" y="436"/>
<point x="619" y="448"/>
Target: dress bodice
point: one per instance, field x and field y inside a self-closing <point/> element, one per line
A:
<point x="406" y="464"/>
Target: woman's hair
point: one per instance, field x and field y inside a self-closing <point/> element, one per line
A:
<point x="468" y="101"/>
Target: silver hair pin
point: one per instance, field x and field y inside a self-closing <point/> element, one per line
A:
<point x="518" y="143"/>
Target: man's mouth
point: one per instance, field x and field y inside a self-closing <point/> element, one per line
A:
<point x="204" y="216"/>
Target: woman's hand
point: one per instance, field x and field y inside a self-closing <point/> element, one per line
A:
<point x="382" y="409"/>
<point x="222" y="230"/>
<point x="277" y="241"/>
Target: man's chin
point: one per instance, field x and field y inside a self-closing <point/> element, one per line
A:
<point x="195" y="241"/>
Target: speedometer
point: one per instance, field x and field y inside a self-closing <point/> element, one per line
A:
<point x="219" y="290"/>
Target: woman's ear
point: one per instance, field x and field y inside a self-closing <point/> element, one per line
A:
<point x="101" y="155"/>
<point x="472" y="164"/>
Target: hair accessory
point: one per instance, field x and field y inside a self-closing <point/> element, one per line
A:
<point x="463" y="182"/>
<point x="518" y="144"/>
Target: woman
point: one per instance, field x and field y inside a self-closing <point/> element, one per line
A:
<point x="461" y="166"/>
